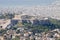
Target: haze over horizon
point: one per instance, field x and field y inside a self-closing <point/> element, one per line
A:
<point x="49" y="9"/>
<point x="10" y="3"/>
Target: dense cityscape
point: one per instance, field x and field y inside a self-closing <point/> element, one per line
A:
<point x="30" y="22"/>
<point x="28" y="27"/>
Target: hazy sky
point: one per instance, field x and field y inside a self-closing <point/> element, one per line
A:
<point x="25" y="2"/>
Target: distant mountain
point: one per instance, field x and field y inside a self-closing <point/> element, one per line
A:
<point x="57" y="2"/>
